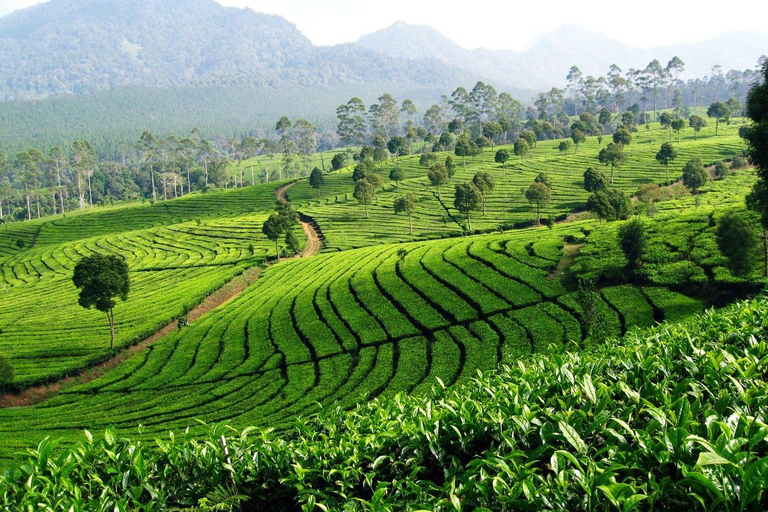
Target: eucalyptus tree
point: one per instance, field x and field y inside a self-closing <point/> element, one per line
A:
<point x="407" y="204"/>
<point x="364" y="193"/>
<point x="666" y="155"/>
<point x="286" y="145"/>
<point x="28" y="165"/>
<point x="57" y="159"/>
<point x="612" y="155"/>
<point x="575" y="81"/>
<point x="147" y="147"/>
<point x="306" y="140"/>
<point x="438" y="175"/>
<point x="351" y="127"/>
<point x="485" y="184"/>
<point x="84" y="161"/>
<point x="467" y="197"/>
<point x="435" y="119"/>
<point x="720" y="112"/>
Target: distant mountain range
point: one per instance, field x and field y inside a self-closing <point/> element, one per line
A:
<point x="547" y="62"/>
<point x="81" y="46"/>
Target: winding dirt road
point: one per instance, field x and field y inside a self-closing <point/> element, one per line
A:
<point x="237" y="285"/>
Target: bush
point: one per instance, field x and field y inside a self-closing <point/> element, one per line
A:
<point x="7" y="372"/>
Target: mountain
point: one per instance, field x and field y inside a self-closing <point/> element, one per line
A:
<point x="82" y="46"/>
<point x="546" y="63"/>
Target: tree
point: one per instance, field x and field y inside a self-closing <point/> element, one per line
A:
<point x="502" y="157"/>
<point x="485" y="184"/>
<point x="100" y="280"/>
<point x="287" y="216"/>
<point x="521" y="148"/>
<point x="544" y="179"/>
<point x="622" y="136"/>
<point x="407" y="204"/>
<point x="397" y="175"/>
<point x="694" y="174"/>
<point x="594" y="180"/>
<point x="450" y="167"/>
<point x="467" y="198"/>
<point x="578" y="138"/>
<point x="665" y="119"/>
<point x="463" y="148"/>
<point x="720" y="112"/>
<point x="364" y="192"/>
<point x="697" y="123"/>
<point x="438" y="175"/>
<point x="613" y="155"/>
<point x="272" y="229"/>
<point x="292" y="241"/>
<point x="737" y="242"/>
<point x="757" y="149"/>
<point x="564" y="146"/>
<point x="609" y="204"/>
<point x="721" y="169"/>
<point x="338" y="161"/>
<point x="491" y="130"/>
<point x="632" y="241"/>
<point x="316" y="179"/>
<point x="678" y="125"/>
<point x="666" y="155"/>
<point x="538" y="194"/>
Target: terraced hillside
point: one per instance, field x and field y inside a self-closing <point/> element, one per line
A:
<point x="337" y="329"/>
<point x="345" y="226"/>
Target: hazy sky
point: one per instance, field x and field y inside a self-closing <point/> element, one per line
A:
<point x="508" y="24"/>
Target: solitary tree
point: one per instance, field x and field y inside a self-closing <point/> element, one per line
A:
<point x="697" y="123"/>
<point x="521" y="148"/>
<point x="438" y="175"/>
<point x="632" y="242"/>
<point x="101" y="279"/>
<point x="467" y="198"/>
<point x="272" y="229"/>
<point x="737" y="242"/>
<point x="622" y="136"/>
<point x="450" y="166"/>
<point x="665" y="119"/>
<point x="397" y="175"/>
<point x="594" y="180"/>
<point x="678" y="125"/>
<point x="721" y="169"/>
<point x="578" y="138"/>
<point x="564" y="146"/>
<point x="609" y="204"/>
<point x="694" y="174"/>
<point x="538" y="194"/>
<point x="316" y="179"/>
<point x="407" y="204"/>
<point x="613" y="155"/>
<point x="364" y="192"/>
<point x="485" y="184"/>
<point x="502" y="157"/>
<point x="666" y="155"/>
<point x="720" y="112"/>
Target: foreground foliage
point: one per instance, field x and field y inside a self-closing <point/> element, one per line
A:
<point x="673" y="418"/>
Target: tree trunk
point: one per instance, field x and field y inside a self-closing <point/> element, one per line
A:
<point x="253" y="176"/>
<point x="1" y="208"/>
<point x="80" y="197"/>
<point x="410" y="227"/>
<point x="469" y="222"/>
<point x="189" y="183"/>
<point x="152" y="176"/>
<point x="111" y="317"/>
<point x="29" y="208"/>
<point x="53" y="200"/>
<point x="90" y="195"/>
<point x="61" y="196"/>
<point x="366" y="209"/>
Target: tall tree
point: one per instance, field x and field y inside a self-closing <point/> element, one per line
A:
<point x="720" y="112"/>
<point x="306" y="141"/>
<point x="485" y="184"/>
<point x="736" y="241"/>
<point x="438" y="175"/>
<point x="147" y="147"/>
<point x="697" y="123"/>
<point x="757" y="149"/>
<point x="407" y="204"/>
<point x="613" y="155"/>
<point x="467" y="198"/>
<point x="694" y="174"/>
<point x="665" y="156"/>
<point x="286" y="144"/>
<point x="351" y="128"/>
<point x="316" y="179"/>
<point x="101" y="279"/>
<point x="538" y="194"/>
<point x="364" y="192"/>
<point x="272" y="229"/>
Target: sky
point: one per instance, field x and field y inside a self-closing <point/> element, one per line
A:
<point x="507" y="24"/>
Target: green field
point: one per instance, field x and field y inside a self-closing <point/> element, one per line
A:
<point x="378" y="312"/>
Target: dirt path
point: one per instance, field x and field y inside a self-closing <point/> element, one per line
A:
<point x="314" y="238"/>
<point x="569" y="256"/>
<point x="233" y="288"/>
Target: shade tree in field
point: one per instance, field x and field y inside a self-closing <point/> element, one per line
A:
<point x="677" y="125"/>
<point x="450" y="167"/>
<point x="594" y="180"/>
<point x="292" y="242"/>
<point x="697" y="123"/>
<point x="544" y="179"/>
<point x="438" y="176"/>
<point x="721" y="169"/>
<point x="720" y="112"/>
<point x="666" y="156"/>
<point x="7" y="373"/>
<point x="101" y="279"/>
<point x="272" y="229"/>
<point x="694" y="174"/>
<point x="397" y="175"/>
<point x="737" y="242"/>
<point x="351" y="127"/>
<point x="407" y="204"/>
<point x="612" y="155"/>
<point x="665" y="119"/>
<point x="609" y="204"/>
<point x="364" y="193"/>
<point x="338" y="161"/>
<point x="564" y="146"/>
<point x="622" y="136"/>
<point x="538" y="194"/>
<point x="485" y="184"/>
<point x="316" y="179"/>
<point x="467" y="198"/>
<point x="521" y="148"/>
<point x="632" y="241"/>
<point x="578" y="138"/>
